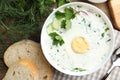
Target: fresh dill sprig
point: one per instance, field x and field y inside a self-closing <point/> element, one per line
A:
<point x="22" y="19"/>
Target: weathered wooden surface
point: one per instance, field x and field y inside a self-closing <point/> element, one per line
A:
<point x="102" y="6"/>
<point x="3" y="69"/>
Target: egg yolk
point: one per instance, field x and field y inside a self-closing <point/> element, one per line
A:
<point x="79" y="45"/>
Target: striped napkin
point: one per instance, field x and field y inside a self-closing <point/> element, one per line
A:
<point x="115" y="74"/>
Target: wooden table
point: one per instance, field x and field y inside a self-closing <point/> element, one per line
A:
<point x="102" y="6"/>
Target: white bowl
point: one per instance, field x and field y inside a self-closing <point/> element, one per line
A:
<point x="60" y="60"/>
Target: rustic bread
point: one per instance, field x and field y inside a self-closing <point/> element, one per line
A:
<point x="114" y="6"/>
<point x="22" y="70"/>
<point x="29" y="50"/>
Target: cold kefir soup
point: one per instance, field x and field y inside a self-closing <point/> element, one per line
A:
<point x="77" y="39"/>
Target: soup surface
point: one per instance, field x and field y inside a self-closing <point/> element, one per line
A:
<point x="77" y="43"/>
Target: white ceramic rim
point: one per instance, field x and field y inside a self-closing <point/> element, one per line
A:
<point x="100" y="1"/>
<point x="105" y="18"/>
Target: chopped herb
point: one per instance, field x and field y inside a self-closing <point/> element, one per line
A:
<point x="103" y="34"/>
<point x="89" y="25"/>
<point x="57" y="39"/>
<point x="78" y="69"/>
<point x="106" y="29"/>
<point x="98" y="43"/>
<point x="83" y="20"/>
<point x="57" y="50"/>
<point x="59" y="15"/>
<point x="98" y="15"/>
<point x="63" y="24"/>
<point x="79" y="6"/>
<point x="69" y="13"/>
<point x="61" y="2"/>
<point x="105" y="23"/>
<point x="95" y="31"/>
<point x="108" y="40"/>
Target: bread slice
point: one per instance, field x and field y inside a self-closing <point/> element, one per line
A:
<point x="31" y="50"/>
<point x="114" y="6"/>
<point x="22" y="70"/>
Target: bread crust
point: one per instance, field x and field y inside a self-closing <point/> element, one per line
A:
<point x="20" y="68"/>
<point x="28" y="49"/>
<point x="114" y="7"/>
<point x="31" y="66"/>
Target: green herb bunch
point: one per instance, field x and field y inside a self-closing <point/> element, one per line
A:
<point x="22" y="19"/>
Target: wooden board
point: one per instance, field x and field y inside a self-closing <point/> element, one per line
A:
<point x="114" y="7"/>
<point x="102" y="6"/>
